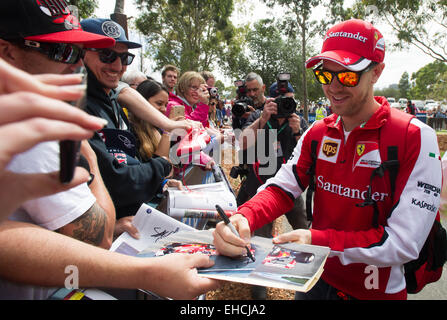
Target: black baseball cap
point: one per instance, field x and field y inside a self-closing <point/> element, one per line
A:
<point x="46" y="21"/>
<point x="109" y="28"/>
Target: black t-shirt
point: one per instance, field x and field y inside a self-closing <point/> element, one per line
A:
<point x="280" y="147"/>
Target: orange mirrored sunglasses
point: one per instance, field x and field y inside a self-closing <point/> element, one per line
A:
<point x="346" y="77"/>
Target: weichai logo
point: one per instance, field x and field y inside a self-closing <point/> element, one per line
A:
<point x="330" y="148"/>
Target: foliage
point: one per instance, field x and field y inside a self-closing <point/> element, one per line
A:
<point x="269" y="53"/>
<point x="439" y="92"/>
<point x="266" y="51"/>
<point x="391" y="91"/>
<point x="86" y="7"/>
<point x="427" y="79"/>
<point x="429" y="82"/>
<point x="298" y="24"/>
<point x="404" y="85"/>
<point x="419" y="23"/>
<point x="191" y="34"/>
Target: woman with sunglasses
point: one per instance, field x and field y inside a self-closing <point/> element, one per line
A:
<point x="363" y="164"/>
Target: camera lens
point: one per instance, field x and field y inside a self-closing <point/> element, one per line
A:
<point x="239" y="109"/>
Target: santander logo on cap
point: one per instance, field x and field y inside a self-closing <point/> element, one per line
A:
<point x="353" y="43"/>
<point x="349" y="35"/>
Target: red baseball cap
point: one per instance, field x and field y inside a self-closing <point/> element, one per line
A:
<point x="353" y="44"/>
<point x="46" y="21"/>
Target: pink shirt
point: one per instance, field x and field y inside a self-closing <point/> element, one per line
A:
<point x="200" y="113"/>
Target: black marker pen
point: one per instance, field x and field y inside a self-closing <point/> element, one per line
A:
<point x="232" y="228"/>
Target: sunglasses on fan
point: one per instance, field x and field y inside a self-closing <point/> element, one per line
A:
<point x="346" y="78"/>
<point x="109" y="56"/>
<point x="59" y="52"/>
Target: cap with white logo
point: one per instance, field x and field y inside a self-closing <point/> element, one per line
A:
<point x="109" y="28"/>
<point x="353" y="44"/>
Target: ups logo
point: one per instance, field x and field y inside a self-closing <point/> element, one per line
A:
<point x="330" y="148"/>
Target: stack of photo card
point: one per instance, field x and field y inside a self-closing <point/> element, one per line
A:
<point x="289" y="266"/>
<point x="200" y="201"/>
<point x="152" y="225"/>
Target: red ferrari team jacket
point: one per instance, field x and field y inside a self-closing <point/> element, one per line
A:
<point x="343" y="173"/>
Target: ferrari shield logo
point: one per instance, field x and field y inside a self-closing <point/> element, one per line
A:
<point x="360" y="149"/>
<point x="367" y="155"/>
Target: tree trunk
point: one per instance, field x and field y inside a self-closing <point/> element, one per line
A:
<point x="119" y="6"/>
<point x="119" y="17"/>
<point x="304" y="54"/>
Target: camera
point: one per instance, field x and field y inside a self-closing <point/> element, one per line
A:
<point x="241" y="104"/>
<point x="286" y="105"/>
<point x="213" y="92"/>
<point x="241" y="170"/>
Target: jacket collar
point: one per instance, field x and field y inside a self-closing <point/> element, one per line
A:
<point x="377" y="120"/>
<point x="101" y="99"/>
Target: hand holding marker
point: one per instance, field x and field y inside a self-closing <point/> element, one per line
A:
<point x="230" y="225"/>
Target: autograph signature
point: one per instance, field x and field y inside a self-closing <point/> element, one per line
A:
<point x="160" y="233"/>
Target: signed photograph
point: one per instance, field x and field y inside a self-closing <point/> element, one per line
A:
<point x="288" y="266"/>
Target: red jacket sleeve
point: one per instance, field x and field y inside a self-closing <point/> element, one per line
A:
<point x="265" y="207"/>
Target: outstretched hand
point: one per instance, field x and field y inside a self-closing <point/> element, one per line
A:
<point x="179" y="278"/>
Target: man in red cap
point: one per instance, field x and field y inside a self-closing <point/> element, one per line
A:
<point x="372" y="228"/>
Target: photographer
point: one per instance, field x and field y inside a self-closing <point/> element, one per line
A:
<point x="250" y="97"/>
<point x="276" y="128"/>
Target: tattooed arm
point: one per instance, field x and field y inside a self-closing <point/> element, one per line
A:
<point x="89" y="228"/>
<point x="95" y="226"/>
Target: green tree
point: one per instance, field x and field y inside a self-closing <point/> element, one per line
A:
<point x="414" y="22"/>
<point x="440" y="88"/>
<point x="390" y="91"/>
<point x="266" y="51"/>
<point x="191" y="34"/>
<point x="404" y="85"/>
<point x="298" y="23"/>
<point x="86" y="7"/>
<point x="426" y="79"/>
